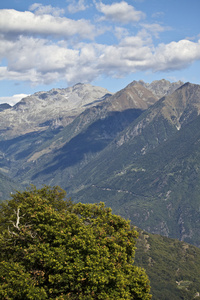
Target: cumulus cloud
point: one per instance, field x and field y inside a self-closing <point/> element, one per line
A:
<point x="120" y="12"/>
<point x="14" y="22"/>
<point x="76" y="6"/>
<point x="39" y="62"/>
<point x="36" y="60"/>
<point x="44" y="60"/>
<point x="176" y="55"/>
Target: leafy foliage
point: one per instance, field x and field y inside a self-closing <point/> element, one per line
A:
<point x="53" y="249"/>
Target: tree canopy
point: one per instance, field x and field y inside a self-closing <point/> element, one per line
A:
<point x="52" y="248"/>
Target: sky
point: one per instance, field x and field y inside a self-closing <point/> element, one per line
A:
<point x="56" y="44"/>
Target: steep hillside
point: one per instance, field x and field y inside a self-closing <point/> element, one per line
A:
<point x="150" y="172"/>
<point x="7" y="186"/>
<point x="172" y="266"/>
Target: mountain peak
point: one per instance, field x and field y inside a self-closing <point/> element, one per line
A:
<point x="132" y="96"/>
<point x="57" y="106"/>
<point x="4" y="106"/>
<point x="159" y="88"/>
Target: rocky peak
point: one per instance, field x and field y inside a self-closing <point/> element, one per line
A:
<point x="70" y="98"/>
<point x="178" y="109"/>
<point x="134" y="96"/>
<point x="160" y="88"/>
<point x="44" y="109"/>
<point x="4" y="106"/>
<point x="183" y="105"/>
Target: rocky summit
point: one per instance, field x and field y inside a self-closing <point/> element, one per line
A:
<point x="160" y="88"/>
<point x="55" y="108"/>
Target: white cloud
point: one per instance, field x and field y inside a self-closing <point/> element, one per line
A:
<point x="121" y="32"/>
<point x="75" y="6"/>
<point x="158" y="14"/>
<point x="134" y="42"/>
<point x="176" y="55"/>
<point x="13" y="99"/>
<point x="40" y="9"/>
<point x="38" y="62"/>
<point x="14" y="22"/>
<point x="125" y="59"/>
<point x="44" y="61"/>
<point x="120" y="12"/>
<point x="155" y="28"/>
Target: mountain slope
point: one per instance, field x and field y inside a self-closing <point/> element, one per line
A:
<point x="7" y="186"/>
<point x="43" y="128"/>
<point x="132" y="96"/>
<point x="99" y="126"/>
<point x="172" y="266"/>
<point x="54" y="155"/>
<point x="150" y="171"/>
<point x="122" y="150"/>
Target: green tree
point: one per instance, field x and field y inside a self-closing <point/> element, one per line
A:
<point x="54" y="249"/>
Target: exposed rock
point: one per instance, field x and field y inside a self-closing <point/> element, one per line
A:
<point x="4" y="106"/>
<point x="58" y="107"/>
<point x="159" y="88"/>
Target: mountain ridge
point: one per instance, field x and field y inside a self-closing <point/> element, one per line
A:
<point x="55" y="108"/>
<point x="103" y="111"/>
<point x="161" y="87"/>
<point x="115" y="172"/>
<point x="140" y="155"/>
<point x="106" y="153"/>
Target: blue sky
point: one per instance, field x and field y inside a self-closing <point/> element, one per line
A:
<point x="56" y="44"/>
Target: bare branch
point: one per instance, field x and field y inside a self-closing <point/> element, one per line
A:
<point x="18" y="219"/>
<point x="12" y="232"/>
<point x="17" y="223"/>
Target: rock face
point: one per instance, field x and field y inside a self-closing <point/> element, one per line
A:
<point x="160" y="88"/>
<point x="55" y="108"/>
<point x="59" y="107"/>
<point x="133" y="96"/>
<point x="178" y="109"/>
<point x="4" y="106"/>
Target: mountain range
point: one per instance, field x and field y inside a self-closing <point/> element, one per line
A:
<point x="136" y="150"/>
<point x="150" y="171"/>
